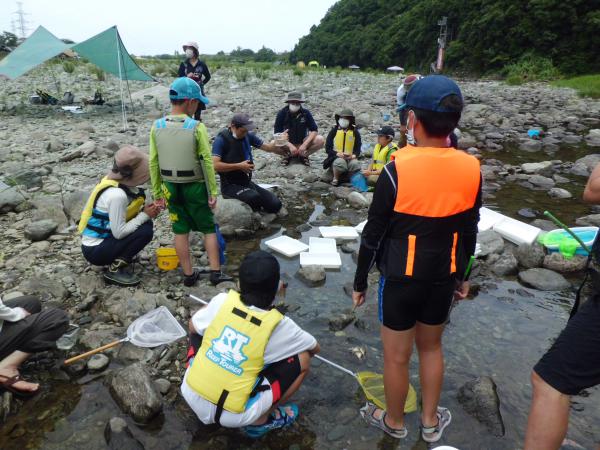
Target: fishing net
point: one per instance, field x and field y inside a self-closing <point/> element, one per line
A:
<point x="372" y="385"/>
<point x="157" y="327"/>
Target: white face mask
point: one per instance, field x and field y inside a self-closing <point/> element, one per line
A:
<point x="410" y="132"/>
<point x="233" y="133"/>
<point x="344" y="123"/>
<point x="294" y="108"/>
<point x="189" y="53"/>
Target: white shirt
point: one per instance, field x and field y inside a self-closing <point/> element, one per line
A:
<point x="114" y="201"/>
<point x="287" y="339"/>
<point x="10" y="314"/>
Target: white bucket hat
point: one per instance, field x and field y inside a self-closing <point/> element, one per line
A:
<point x="191" y="44"/>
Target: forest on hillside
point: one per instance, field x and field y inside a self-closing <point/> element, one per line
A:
<point x="485" y="35"/>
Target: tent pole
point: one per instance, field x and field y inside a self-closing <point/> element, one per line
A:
<point x="123" y="112"/>
<point x="126" y="78"/>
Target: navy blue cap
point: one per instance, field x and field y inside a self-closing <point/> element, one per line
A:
<point x="428" y="93"/>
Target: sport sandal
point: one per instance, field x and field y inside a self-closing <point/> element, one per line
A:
<point x="368" y="413"/>
<point x="277" y="420"/>
<point x="434" y="434"/>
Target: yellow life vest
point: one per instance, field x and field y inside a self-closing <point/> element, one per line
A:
<point x="231" y="357"/>
<point x="381" y="155"/>
<point x="95" y="223"/>
<point x="344" y="141"/>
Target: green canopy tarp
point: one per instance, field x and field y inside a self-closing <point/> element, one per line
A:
<point x="39" y="47"/>
<point x="105" y="50"/>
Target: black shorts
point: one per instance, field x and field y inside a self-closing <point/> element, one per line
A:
<point x="403" y="303"/>
<point x="280" y="375"/>
<point x="573" y="362"/>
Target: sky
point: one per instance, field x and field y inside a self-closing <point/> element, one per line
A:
<point x="151" y="27"/>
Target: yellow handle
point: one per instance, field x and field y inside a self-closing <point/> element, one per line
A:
<point x="93" y="352"/>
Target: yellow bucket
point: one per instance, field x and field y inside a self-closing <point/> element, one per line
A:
<point x="166" y="258"/>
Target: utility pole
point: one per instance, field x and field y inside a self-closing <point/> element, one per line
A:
<point x="21" y="22"/>
<point x="438" y="66"/>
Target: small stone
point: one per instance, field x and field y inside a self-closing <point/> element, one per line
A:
<point x="559" y="193"/>
<point x="162" y="385"/>
<point x="341" y="321"/>
<point x="506" y="265"/>
<point x="544" y="280"/>
<point x="40" y="230"/>
<point x="529" y="256"/>
<point x="490" y="242"/>
<point x="357" y="200"/>
<point x="312" y="275"/>
<point x="98" y="363"/>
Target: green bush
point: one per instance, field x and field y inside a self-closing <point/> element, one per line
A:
<point x="68" y="67"/>
<point x="242" y="75"/>
<point x="261" y="73"/>
<point x="531" y="68"/>
<point x="100" y="75"/>
<point x="158" y="69"/>
<point x="586" y="86"/>
<point x="298" y="71"/>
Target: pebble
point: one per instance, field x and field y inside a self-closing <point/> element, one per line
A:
<point x="98" y="362"/>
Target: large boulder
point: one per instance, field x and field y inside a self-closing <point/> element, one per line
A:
<point x="312" y="276"/>
<point x="558" y="263"/>
<point x="10" y="199"/>
<point x="135" y="393"/>
<point x="233" y="215"/>
<point x="479" y="398"/>
<point x="45" y="288"/>
<point x="50" y="207"/>
<point x="40" y="230"/>
<point x="505" y="265"/>
<point x="75" y="202"/>
<point x="544" y="280"/>
<point x="530" y="256"/>
<point x="490" y="242"/>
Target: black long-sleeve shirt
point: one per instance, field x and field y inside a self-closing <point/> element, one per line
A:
<point x="200" y="71"/>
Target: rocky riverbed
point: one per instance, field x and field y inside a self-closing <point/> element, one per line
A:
<point x="129" y="399"/>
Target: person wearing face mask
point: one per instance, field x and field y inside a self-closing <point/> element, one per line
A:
<point x="301" y="128"/>
<point x="184" y="179"/>
<point x="232" y="158"/>
<point x="195" y="69"/>
<point x="421" y="232"/>
<point x="343" y="147"/>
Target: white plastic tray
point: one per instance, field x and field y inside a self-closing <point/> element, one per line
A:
<point x="338" y="232"/>
<point x="325" y="260"/>
<point x="321" y="245"/>
<point x="286" y="246"/>
<point x="516" y="231"/>
<point x="360" y="227"/>
<point x="488" y="218"/>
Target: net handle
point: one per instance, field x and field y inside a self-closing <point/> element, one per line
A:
<point x="93" y="352"/>
<point x="320" y="358"/>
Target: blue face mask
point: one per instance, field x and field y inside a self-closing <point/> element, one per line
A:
<point x="410" y="132"/>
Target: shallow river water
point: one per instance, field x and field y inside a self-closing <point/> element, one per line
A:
<point x="501" y="333"/>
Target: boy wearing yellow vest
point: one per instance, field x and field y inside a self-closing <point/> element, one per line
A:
<point x="182" y="174"/>
<point x="343" y="147"/>
<point x="246" y="359"/>
<point x="115" y="225"/>
<point x="381" y="154"/>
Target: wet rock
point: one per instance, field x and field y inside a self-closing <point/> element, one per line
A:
<point x="357" y="200"/>
<point x="10" y="199"/>
<point x="338" y="432"/>
<point x="505" y="265"/>
<point x="593" y="220"/>
<point x="490" y="243"/>
<point x="530" y="145"/>
<point x="543" y="224"/>
<point x="77" y="368"/>
<point x="162" y="385"/>
<point x="593" y="138"/>
<point x="341" y="321"/>
<point x="540" y="168"/>
<point x="312" y="275"/>
<point x="342" y="192"/>
<point x="135" y="393"/>
<point x="559" y="193"/>
<point x="40" y="230"/>
<point x="589" y="162"/>
<point x="480" y="399"/>
<point x="558" y="263"/>
<point x="528" y="213"/>
<point x="119" y="437"/>
<point x="529" y="256"/>
<point x="98" y="362"/>
<point x="544" y="280"/>
<point x="541" y="181"/>
<point x="234" y="215"/>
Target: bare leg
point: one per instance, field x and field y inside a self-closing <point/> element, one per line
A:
<point x="317" y="144"/>
<point x="9" y="367"/>
<point x="431" y="369"/>
<point x="212" y="248"/>
<point x="397" y="348"/>
<point x="304" y="358"/>
<point x="182" y="248"/>
<point x="548" y="417"/>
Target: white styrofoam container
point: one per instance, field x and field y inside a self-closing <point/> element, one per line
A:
<point x="325" y="260"/>
<point x="286" y="246"/>
<point x="360" y="227"/>
<point x="338" y="232"/>
<point x="488" y="218"/>
<point x="321" y="245"/>
<point x="516" y="231"/>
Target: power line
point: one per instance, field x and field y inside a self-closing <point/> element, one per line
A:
<point x="21" y="23"/>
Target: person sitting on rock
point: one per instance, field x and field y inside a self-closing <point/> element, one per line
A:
<point x="246" y="359"/>
<point x="26" y="329"/>
<point x="572" y="363"/>
<point x="195" y="69"/>
<point x="116" y="224"/>
<point x="182" y="174"/>
<point x="343" y="147"/>
<point x="232" y="158"/>
<point x="381" y="154"/>
<point x="301" y="128"/>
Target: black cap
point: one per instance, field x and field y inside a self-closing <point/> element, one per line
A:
<point x="243" y="121"/>
<point x="386" y="131"/>
<point x="259" y="274"/>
